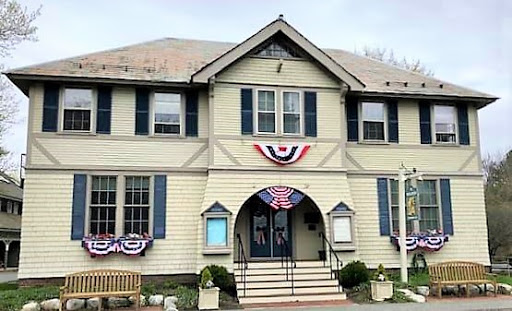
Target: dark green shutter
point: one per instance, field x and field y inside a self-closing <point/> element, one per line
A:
<point x="310" y="113"/>
<point x="383" y="199"/>
<point x="462" y="113"/>
<point x="78" y="207"/>
<point x="191" y="116"/>
<point x="392" y="121"/>
<point x="142" y="112"/>
<point x="104" y="110"/>
<point x="446" y="206"/>
<point x="160" y="197"/>
<point x="425" y="129"/>
<point x="352" y="119"/>
<point x="50" y="107"/>
<point x="246" y="99"/>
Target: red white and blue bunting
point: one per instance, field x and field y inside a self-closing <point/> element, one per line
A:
<point x="425" y="242"/>
<point x="103" y="246"/>
<point x="282" y="154"/>
<point x="281" y="197"/>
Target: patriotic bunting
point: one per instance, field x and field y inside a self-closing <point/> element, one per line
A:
<point x="126" y="245"/>
<point x="281" y="197"/>
<point x="425" y="242"/>
<point x="282" y="154"/>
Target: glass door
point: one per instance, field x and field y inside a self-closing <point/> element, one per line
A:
<point x="281" y="231"/>
<point x="269" y="229"/>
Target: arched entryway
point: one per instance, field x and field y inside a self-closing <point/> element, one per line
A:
<point x="278" y="218"/>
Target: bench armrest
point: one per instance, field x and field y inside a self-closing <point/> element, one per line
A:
<point x="62" y="288"/>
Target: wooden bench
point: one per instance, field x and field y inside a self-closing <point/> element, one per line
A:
<point x="460" y="273"/>
<point x="101" y="283"/>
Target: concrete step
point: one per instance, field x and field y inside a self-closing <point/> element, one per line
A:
<point x="282" y="271"/>
<point x="277" y="284"/>
<point x="281" y="277"/>
<point x="277" y="264"/>
<point x="292" y="298"/>
<point x="265" y="292"/>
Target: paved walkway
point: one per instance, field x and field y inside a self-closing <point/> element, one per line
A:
<point x="7" y="276"/>
<point x="501" y="303"/>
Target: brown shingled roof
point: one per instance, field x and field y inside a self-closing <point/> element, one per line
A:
<point x="175" y="60"/>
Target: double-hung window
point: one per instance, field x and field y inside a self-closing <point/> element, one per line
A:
<point x="167" y="113"/>
<point x="428" y="203"/>
<point x="445" y="124"/>
<point x="291" y="113"/>
<point x="266" y="112"/>
<point x="77" y="109"/>
<point x="136" y="205"/>
<point x="103" y="205"/>
<point x="394" y="208"/>
<point x="373" y="121"/>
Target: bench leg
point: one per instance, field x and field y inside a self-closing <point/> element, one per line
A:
<point x="495" y="289"/>
<point x="100" y="304"/>
<point x="467" y="290"/>
<point x="439" y="290"/>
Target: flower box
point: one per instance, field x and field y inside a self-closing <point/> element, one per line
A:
<point x="103" y="245"/>
<point x="381" y="290"/>
<point x="208" y="298"/>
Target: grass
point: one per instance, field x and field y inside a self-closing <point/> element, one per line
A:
<point x="13" y="298"/>
<point x="505" y="279"/>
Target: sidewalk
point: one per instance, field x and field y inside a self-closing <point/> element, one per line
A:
<point x="8" y="275"/>
<point x="448" y="304"/>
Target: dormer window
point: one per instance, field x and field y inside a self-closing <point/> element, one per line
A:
<point x="77" y="109"/>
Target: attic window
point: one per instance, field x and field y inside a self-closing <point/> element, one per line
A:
<point x="277" y="48"/>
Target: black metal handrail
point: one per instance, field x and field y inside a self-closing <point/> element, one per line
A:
<point x="242" y="263"/>
<point x="332" y="253"/>
<point x="286" y="256"/>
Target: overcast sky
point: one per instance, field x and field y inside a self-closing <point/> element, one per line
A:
<point x="465" y="42"/>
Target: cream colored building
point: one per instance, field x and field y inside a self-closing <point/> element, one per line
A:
<point x="180" y="139"/>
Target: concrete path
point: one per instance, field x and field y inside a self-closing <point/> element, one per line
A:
<point x="7" y="276"/>
<point x="459" y="304"/>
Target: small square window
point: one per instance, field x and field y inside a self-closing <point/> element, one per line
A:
<point x="445" y="127"/>
<point x="167" y="113"/>
<point x="373" y="121"/>
<point x="77" y="109"/>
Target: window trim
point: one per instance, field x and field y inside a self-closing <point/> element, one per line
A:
<point x="301" y="113"/>
<point x="361" y="122"/>
<point x="343" y="246"/>
<point x="223" y="249"/>
<point x="276" y="112"/>
<point x="152" y="110"/>
<point x="433" y="126"/>
<point x="93" y="110"/>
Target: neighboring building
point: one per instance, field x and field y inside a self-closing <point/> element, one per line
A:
<point x="11" y="197"/>
<point x="197" y="142"/>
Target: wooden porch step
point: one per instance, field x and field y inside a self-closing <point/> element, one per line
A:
<point x="292" y="298"/>
<point x="281" y="277"/>
<point x="265" y="292"/>
<point x="282" y="284"/>
<point x="283" y="271"/>
<point x="277" y="264"/>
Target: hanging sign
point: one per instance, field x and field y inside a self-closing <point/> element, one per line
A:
<point x="283" y="154"/>
<point x="411" y="200"/>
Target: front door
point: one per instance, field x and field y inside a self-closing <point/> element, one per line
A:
<point x="269" y="229"/>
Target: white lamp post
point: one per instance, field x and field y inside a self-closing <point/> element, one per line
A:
<point x="403" y="176"/>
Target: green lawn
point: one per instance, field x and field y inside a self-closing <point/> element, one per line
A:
<point x="505" y="279"/>
<point x="13" y="298"/>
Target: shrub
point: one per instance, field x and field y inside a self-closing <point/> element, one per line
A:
<point x="206" y="277"/>
<point x="170" y="284"/>
<point x="148" y="288"/>
<point x="14" y="299"/>
<point x="380" y="270"/>
<point x="187" y="297"/>
<point x="353" y="274"/>
<point x="221" y="278"/>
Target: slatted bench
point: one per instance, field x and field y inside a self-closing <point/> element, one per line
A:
<point x="101" y="283"/>
<point x="460" y="273"/>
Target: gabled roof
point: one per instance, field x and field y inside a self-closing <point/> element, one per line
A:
<point x="9" y="188"/>
<point x="182" y="61"/>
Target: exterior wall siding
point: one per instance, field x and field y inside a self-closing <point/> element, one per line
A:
<point x="47" y="250"/>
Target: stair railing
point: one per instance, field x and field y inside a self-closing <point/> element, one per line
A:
<point x="332" y="253"/>
<point x="242" y="263"/>
<point x="287" y="258"/>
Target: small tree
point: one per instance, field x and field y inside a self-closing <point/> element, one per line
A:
<point x="388" y="56"/>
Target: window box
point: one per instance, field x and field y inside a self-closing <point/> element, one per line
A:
<point x="431" y="241"/>
<point x="105" y="244"/>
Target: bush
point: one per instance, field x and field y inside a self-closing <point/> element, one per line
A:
<point x="380" y="270"/>
<point x="206" y="277"/>
<point x="187" y="297"/>
<point x="14" y="299"/>
<point x="221" y="278"/>
<point x="148" y="288"/>
<point x="353" y="274"/>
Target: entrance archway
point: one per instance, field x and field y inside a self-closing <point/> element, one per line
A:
<point x="275" y="216"/>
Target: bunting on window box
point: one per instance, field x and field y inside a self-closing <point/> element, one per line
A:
<point x="103" y="245"/>
<point x="281" y="197"/>
<point x="283" y="154"/>
<point x="427" y="242"/>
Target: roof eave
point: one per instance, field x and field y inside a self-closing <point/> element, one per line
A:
<point x="226" y="59"/>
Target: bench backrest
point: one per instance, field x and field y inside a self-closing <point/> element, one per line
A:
<point x="458" y="271"/>
<point x="100" y="281"/>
